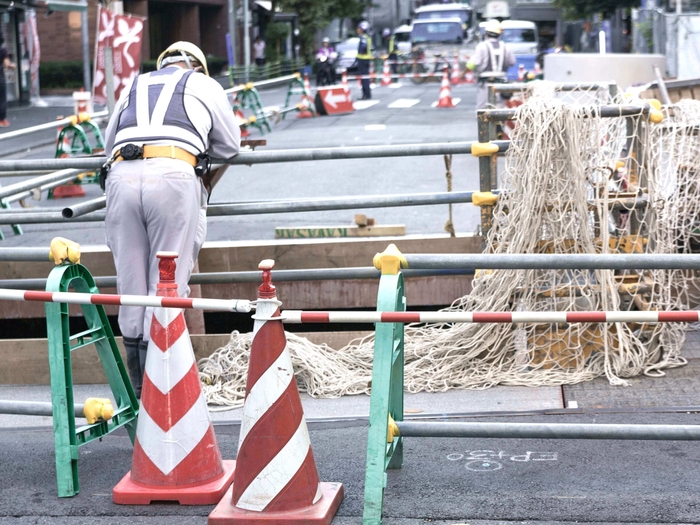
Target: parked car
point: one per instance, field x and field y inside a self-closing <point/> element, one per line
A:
<point x="520" y="35"/>
<point x="347" y="56"/>
<point x="402" y="39"/>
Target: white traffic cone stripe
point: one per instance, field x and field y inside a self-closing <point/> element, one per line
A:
<point x="268" y="389"/>
<point x="166" y="369"/>
<point x="277" y="473"/>
<point x="167" y="449"/>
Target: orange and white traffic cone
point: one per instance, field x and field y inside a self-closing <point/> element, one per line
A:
<point x="521" y="73"/>
<point x="242" y="122"/>
<point x="372" y="75"/>
<point x="346" y="87"/>
<point x="176" y="456"/>
<point x="469" y="77"/>
<point x="276" y="478"/>
<point x="386" y="74"/>
<point x="306" y="109"/>
<point x="456" y="77"/>
<point x="445" y="98"/>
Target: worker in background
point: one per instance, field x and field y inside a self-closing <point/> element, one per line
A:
<point x="391" y="48"/>
<point x="164" y="127"/>
<point x="490" y="61"/>
<point x="364" y="57"/>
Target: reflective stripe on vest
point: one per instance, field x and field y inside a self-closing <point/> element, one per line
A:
<point x="497" y="55"/>
<point x="367" y="53"/>
<point x="156" y="111"/>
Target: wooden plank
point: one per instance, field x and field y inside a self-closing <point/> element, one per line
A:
<point x="25" y="361"/>
<point x="313" y="232"/>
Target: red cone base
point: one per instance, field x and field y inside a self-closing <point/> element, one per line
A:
<point x="445" y="102"/>
<point x="305" y="113"/>
<point x="68" y="190"/>
<point x="322" y="513"/>
<point x="129" y="493"/>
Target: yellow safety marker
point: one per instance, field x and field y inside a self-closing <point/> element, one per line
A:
<point x="484" y="198"/>
<point x="390" y="261"/>
<point x="249" y="86"/>
<point x="654" y="103"/>
<point x="656" y="116"/>
<point x="297" y="74"/>
<point x="484" y="149"/>
<point x="98" y="409"/>
<point x="392" y="430"/>
<point x="253" y="119"/>
<point x="61" y="249"/>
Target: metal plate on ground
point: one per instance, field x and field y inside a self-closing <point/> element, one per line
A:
<point x="680" y="387"/>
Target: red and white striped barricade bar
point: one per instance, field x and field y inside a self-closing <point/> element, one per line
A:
<point x="219" y="305"/>
<point x="301" y="316"/>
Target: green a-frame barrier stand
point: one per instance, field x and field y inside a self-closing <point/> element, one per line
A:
<point x="384" y="446"/>
<point x="68" y="438"/>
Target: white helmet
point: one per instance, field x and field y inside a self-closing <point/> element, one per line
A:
<point x="182" y="52"/>
<point x="493" y="26"/>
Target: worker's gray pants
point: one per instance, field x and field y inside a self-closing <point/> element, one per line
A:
<point x="153" y="205"/>
<point x="482" y="97"/>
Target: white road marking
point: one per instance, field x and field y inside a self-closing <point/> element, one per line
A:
<point x="375" y="127"/>
<point x="364" y="104"/>
<point x="404" y="103"/>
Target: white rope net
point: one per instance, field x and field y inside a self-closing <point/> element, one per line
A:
<point x="573" y="183"/>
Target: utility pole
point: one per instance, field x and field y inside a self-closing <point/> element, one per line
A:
<point x="246" y="38"/>
<point x="233" y="29"/>
<point x="87" y="84"/>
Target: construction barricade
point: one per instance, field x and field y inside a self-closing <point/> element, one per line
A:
<point x="333" y="100"/>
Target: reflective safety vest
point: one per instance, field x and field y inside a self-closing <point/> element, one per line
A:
<point x="364" y="50"/>
<point x="497" y="55"/>
<point x="155" y="111"/>
<point x="391" y="44"/>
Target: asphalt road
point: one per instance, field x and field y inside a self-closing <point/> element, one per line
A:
<point x="523" y="481"/>
<point x="378" y="124"/>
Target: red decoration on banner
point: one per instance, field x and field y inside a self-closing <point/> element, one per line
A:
<point x="123" y="34"/>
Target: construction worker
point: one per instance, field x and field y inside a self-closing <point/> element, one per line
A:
<point x="364" y="58"/>
<point x="491" y="60"/>
<point x="162" y="129"/>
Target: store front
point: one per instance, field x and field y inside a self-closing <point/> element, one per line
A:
<point x="12" y="19"/>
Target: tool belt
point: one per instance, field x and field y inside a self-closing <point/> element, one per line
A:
<point x="200" y="163"/>
<point x="133" y="152"/>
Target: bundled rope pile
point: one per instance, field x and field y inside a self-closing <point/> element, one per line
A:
<point x="573" y="183"/>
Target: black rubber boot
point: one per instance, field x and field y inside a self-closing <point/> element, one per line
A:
<point x="133" y="363"/>
<point x="143" y="347"/>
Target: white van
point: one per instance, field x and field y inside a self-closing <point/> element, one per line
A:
<point x="464" y="12"/>
<point x="520" y="35"/>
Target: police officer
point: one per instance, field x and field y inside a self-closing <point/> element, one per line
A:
<point x="491" y="60"/>
<point x="364" y="57"/>
<point x="391" y="48"/>
<point x="155" y="200"/>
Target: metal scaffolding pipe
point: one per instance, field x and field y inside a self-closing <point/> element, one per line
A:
<point x="37" y="182"/>
<point x="555" y="261"/>
<point x="48" y="125"/>
<point x="339" y="203"/>
<point x="24" y="254"/>
<point x="273" y="82"/>
<point x="36" y="217"/>
<point x="267" y="157"/>
<point x="77" y="210"/>
<point x="319" y="274"/>
<point x="23" y="173"/>
<point x="30" y="193"/>
<point x="567" y="86"/>
<point x="500" y="115"/>
<point x="33" y="408"/>
<point x="548" y="431"/>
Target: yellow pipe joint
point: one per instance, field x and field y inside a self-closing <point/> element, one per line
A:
<point x="390" y="261"/>
<point x="484" y="198"/>
<point x="98" y="409"/>
<point x="484" y="149"/>
<point x="392" y="430"/>
<point x="61" y="249"/>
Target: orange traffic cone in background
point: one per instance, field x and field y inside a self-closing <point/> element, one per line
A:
<point x="176" y="456"/>
<point x="276" y="478"/>
<point x="306" y="109"/>
<point x="469" y="77"/>
<point x="455" y="78"/>
<point x="445" y="98"/>
<point x="346" y="87"/>
<point x="386" y="74"/>
<point x="242" y="122"/>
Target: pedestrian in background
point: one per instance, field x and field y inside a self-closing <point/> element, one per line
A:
<point x="364" y="57"/>
<point x="491" y="60"/>
<point x="161" y="129"/>
<point x="6" y="64"/>
<point x="259" y="51"/>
